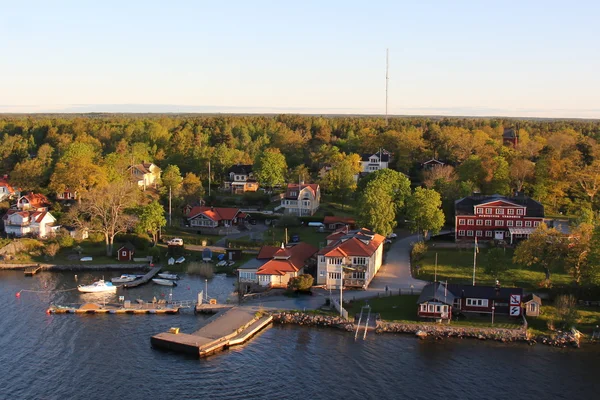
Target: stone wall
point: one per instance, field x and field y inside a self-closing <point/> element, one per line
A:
<point x="441" y="331"/>
<point x="76" y="267"/>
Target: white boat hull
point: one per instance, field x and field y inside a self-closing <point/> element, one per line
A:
<point x="168" y="276"/>
<point x="164" y="282"/>
<point x="98" y="287"/>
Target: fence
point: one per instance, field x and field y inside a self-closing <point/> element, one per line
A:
<point x="336" y="305"/>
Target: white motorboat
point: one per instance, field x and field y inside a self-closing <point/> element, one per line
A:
<point x="164" y="282"/>
<point x="97" y="287"/>
<point x="180" y="260"/>
<point x="171" y="261"/>
<point x="125" y="278"/>
<point x="167" y="275"/>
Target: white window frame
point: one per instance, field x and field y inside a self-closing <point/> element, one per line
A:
<point x="511" y="211"/>
<point x="461" y="221"/>
<point x="461" y="232"/>
<point x="479" y="233"/>
<point x="536" y="223"/>
<point x="520" y="211"/>
<point x="519" y="223"/>
<point x="477" y="302"/>
<point x="499" y="211"/>
<point x="488" y="210"/>
<point x="488" y="222"/>
<point x="489" y="234"/>
<point x="479" y="222"/>
<point x="509" y="223"/>
<point x="469" y="233"/>
<point x="470" y="222"/>
<point x="479" y="210"/>
<point x="528" y="224"/>
<point x="499" y="222"/>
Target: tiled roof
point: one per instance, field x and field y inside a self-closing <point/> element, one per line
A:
<point x="384" y="155"/>
<point x="289" y="259"/>
<point x="37" y="200"/>
<point x="333" y="219"/>
<point x="293" y="187"/>
<point x="240" y="169"/>
<point x="214" y="213"/>
<point x="362" y="242"/>
<point x="483" y="292"/>
<point x="144" y="167"/>
<point x="466" y="205"/>
<point x="127" y="246"/>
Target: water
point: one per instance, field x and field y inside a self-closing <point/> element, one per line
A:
<point x="109" y="357"/>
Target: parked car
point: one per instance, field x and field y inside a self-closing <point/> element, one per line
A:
<point x="175" y="242"/>
<point x="392" y="236"/>
<point x="295" y="239"/>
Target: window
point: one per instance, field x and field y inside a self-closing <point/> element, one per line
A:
<point x="489" y="233"/>
<point x="335" y="260"/>
<point x="479" y="233"/>
<point x="511" y="211"/>
<point x="322" y="273"/>
<point x="293" y="194"/>
<point x="469" y="233"/>
<point x="488" y="222"/>
<point x="461" y="233"/>
<point x="519" y="223"/>
<point x="499" y="222"/>
<point x="461" y="221"/>
<point x="509" y="223"/>
<point x="359" y="261"/>
<point x="477" y="302"/>
<point x="124" y="253"/>
<point x="438" y="309"/>
<point x="321" y="259"/>
<point x="536" y="223"/>
<point x="479" y="222"/>
<point x="358" y="275"/>
<point x="520" y="211"/>
<point x="334" y="275"/>
<point x="488" y="210"/>
<point x="430" y="307"/>
<point x="479" y="210"/>
<point x="528" y="223"/>
<point x="499" y="211"/>
<point x="470" y="222"/>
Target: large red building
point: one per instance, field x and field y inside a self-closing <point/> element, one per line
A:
<point x="496" y="218"/>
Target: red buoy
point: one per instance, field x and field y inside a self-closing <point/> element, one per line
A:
<point x="18" y="294"/>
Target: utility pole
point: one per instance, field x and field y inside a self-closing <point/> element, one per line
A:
<point x="475" y="250"/>
<point x="387" y="79"/>
<point x="341" y="290"/>
<point x="208" y="178"/>
<point x="170" y="219"/>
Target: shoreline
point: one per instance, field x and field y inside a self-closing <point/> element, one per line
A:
<point x="73" y="267"/>
<point x="436" y="332"/>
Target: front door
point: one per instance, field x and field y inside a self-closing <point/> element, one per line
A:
<point x="499" y="235"/>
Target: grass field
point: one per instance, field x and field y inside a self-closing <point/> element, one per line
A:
<point x="457" y="267"/>
<point x="307" y="234"/>
<point x="589" y="317"/>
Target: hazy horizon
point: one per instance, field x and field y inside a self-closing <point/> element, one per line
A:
<point x="534" y="59"/>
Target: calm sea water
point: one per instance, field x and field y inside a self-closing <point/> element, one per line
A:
<point x="109" y="357"/>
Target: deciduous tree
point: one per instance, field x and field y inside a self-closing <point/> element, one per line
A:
<point x="270" y="167"/>
<point x="423" y="208"/>
<point x="152" y="219"/>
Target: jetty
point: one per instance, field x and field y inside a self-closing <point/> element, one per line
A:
<point x="145" y="279"/>
<point x="159" y="307"/>
<point x="229" y="328"/>
<point x="34" y="269"/>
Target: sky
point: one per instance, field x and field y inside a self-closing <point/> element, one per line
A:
<point x="481" y="58"/>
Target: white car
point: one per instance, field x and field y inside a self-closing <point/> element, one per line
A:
<point x="175" y="242"/>
<point x="392" y="236"/>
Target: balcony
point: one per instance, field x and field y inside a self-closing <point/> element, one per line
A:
<point x="355" y="283"/>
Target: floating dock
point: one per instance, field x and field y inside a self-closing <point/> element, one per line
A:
<point x="206" y="308"/>
<point x="145" y="279"/>
<point x="93" y="308"/>
<point x="30" y="271"/>
<point x="229" y="328"/>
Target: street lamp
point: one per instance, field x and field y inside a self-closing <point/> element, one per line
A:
<point x="206" y="288"/>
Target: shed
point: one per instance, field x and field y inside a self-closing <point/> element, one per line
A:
<point x="233" y="254"/>
<point x="532" y="304"/>
<point x="126" y="252"/>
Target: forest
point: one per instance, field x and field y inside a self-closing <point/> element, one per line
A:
<point x="556" y="162"/>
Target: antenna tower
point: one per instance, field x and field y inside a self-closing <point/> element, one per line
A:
<point x="387" y="79"/>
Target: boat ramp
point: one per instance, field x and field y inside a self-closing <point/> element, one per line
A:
<point x="34" y="269"/>
<point x="228" y="328"/>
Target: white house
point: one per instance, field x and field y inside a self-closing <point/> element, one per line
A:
<point x="357" y="254"/>
<point x="145" y="174"/>
<point x="240" y="179"/>
<point x="374" y="162"/>
<point x="301" y="199"/>
<point x="274" y="266"/>
<point x="35" y="223"/>
<point x="6" y="189"/>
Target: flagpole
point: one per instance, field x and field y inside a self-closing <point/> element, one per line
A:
<point x="474" y="259"/>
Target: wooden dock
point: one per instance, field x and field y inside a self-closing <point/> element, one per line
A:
<point x="93" y="308"/>
<point x="206" y="308"/>
<point x="145" y="279"/>
<point x="30" y="271"/>
<point x="229" y="328"/>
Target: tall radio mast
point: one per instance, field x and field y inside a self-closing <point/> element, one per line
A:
<point x="387" y="79"/>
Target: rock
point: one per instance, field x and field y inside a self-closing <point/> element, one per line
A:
<point x="421" y="334"/>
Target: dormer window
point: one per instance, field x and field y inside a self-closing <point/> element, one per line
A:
<point x="293" y="194"/>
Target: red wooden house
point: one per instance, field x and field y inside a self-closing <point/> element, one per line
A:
<point x="496" y="218"/>
<point x="126" y="252"/>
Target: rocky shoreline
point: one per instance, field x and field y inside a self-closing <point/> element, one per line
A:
<point x="76" y="267"/>
<point x="436" y="332"/>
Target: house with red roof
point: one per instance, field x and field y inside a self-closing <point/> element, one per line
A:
<point x="334" y="223"/>
<point x="33" y="201"/>
<point x="274" y="266"/>
<point x="66" y="195"/>
<point x="20" y="223"/>
<point x="350" y="259"/>
<point x="214" y="217"/>
<point x="301" y="199"/>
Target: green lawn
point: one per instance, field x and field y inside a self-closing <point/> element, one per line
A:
<point x="589" y="317"/>
<point x="307" y="234"/>
<point x="189" y="236"/>
<point x="457" y="267"/>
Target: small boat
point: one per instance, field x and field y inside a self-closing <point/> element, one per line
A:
<point x="180" y="260"/>
<point x="167" y="275"/>
<point x="222" y="263"/>
<point x="171" y="261"/>
<point x="97" y="287"/>
<point x="86" y="259"/>
<point x="125" y="278"/>
<point x="164" y="282"/>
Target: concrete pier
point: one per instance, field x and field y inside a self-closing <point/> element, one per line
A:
<point x="145" y="279"/>
<point x="228" y="328"/>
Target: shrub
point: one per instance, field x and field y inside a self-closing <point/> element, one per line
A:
<point x="566" y="308"/>
<point x="418" y="252"/>
<point x="96" y="237"/>
<point x="51" y="249"/>
<point x="64" y="238"/>
<point x="302" y="283"/>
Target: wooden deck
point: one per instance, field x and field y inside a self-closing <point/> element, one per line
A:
<point x="206" y="308"/>
<point x="92" y="308"/>
<point x="34" y="269"/>
<point x="226" y="329"/>
<point x="145" y="279"/>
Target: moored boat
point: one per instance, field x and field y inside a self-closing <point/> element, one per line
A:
<point x="167" y="275"/>
<point x="125" y="278"/>
<point x="97" y="287"/>
<point x="164" y="282"/>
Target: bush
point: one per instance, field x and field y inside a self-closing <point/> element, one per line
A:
<point x="51" y="249"/>
<point x="566" y="308"/>
<point x="300" y="283"/>
<point x="288" y="221"/>
<point x="418" y="252"/>
<point x="64" y="238"/>
<point x="96" y="237"/>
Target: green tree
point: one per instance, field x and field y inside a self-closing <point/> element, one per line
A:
<point x="270" y="167"/>
<point x="33" y="174"/>
<point x="566" y="309"/>
<point x="301" y="173"/>
<point x="340" y="179"/>
<point x="423" y="208"/>
<point x="545" y="248"/>
<point x="171" y="178"/>
<point x="301" y="283"/>
<point x="472" y="169"/>
<point x="152" y="219"/>
<point x="192" y="189"/>
<point x="382" y="194"/>
<point x="500" y="182"/>
<point x="495" y="264"/>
